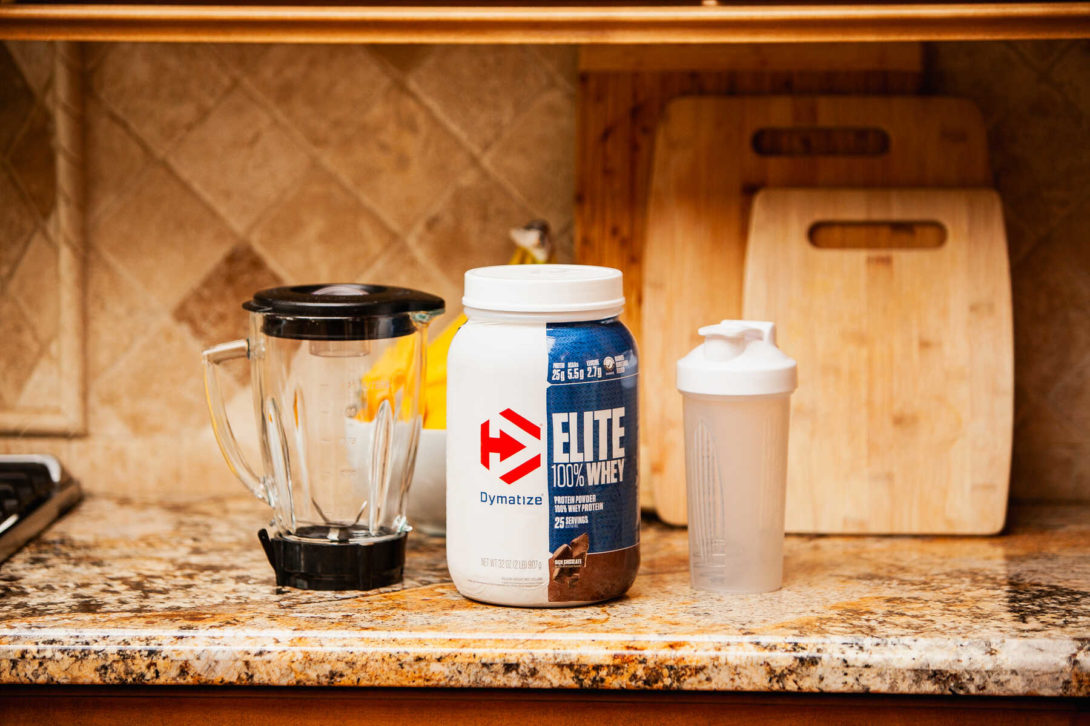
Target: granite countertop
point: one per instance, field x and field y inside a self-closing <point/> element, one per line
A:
<point x="126" y="593"/>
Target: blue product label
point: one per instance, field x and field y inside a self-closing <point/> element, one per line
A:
<point x="593" y="433"/>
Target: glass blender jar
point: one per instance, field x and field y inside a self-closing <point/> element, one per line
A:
<point x="337" y="377"/>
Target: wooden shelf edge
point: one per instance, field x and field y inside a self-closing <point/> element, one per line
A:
<point x="538" y="24"/>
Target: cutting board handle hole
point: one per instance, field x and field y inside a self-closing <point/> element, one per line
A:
<point x="820" y="141"/>
<point x="877" y="235"/>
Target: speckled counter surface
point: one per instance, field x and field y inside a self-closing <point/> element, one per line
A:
<point x="124" y="593"/>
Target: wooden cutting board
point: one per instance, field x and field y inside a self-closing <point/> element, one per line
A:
<point x="902" y="420"/>
<point x="711" y="154"/>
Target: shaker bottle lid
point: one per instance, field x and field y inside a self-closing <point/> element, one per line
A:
<point x="737" y="358"/>
<point x="545" y="289"/>
<point x="342" y="311"/>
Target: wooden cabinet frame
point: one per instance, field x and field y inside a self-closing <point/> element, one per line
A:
<point x="230" y="706"/>
<point x="491" y="22"/>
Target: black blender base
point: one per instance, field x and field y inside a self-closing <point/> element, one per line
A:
<point x="335" y="565"/>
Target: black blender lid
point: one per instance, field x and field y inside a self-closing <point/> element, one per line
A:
<point x="342" y="311"/>
<point x="342" y="299"/>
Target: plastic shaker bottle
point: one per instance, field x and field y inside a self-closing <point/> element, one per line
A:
<point x="736" y="388"/>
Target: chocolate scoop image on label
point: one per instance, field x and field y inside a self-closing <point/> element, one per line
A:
<point x="568" y="558"/>
<point x="580" y="575"/>
<point x="562" y="561"/>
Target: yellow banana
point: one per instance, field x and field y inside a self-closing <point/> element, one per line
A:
<point x="386" y="381"/>
<point x="435" y="386"/>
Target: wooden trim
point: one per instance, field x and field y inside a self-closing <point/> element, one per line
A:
<point x="227" y="706"/>
<point x="67" y="415"/>
<point x="543" y="24"/>
<point x="69" y="235"/>
<point x="763" y="57"/>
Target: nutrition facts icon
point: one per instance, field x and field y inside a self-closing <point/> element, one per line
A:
<point x="590" y="369"/>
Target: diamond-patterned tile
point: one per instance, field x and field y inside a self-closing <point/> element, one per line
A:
<point x="104" y="422"/>
<point x="402" y="58"/>
<point x="564" y="246"/>
<point x="990" y="73"/>
<point x="1039" y="53"/>
<point x="1065" y="255"/>
<point x="400" y="158"/>
<point x="35" y="60"/>
<point x="241" y="414"/>
<point x="57" y="446"/>
<point x="32" y="159"/>
<point x="1020" y="238"/>
<point x="163" y="237"/>
<point x="321" y="233"/>
<point x="212" y="311"/>
<point x="162" y="90"/>
<point x="322" y="89"/>
<point x="16" y="99"/>
<point x="166" y="268"/>
<point x="1041" y="168"/>
<point x="118" y="312"/>
<point x="401" y="266"/>
<point x="34" y="285"/>
<point x="156" y="388"/>
<point x="16" y="224"/>
<point x="201" y="462"/>
<point x="118" y="463"/>
<point x="241" y="57"/>
<point x="94" y="53"/>
<point x="537" y="156"/>
<point x="471" y="230"/>
<point x="1072" y="74"/>
<point x="481" y="89"/>
<point x="21" y="350"/>
<point x="239" y="159"/>
<point x="1048" y="458"/>
<point x="1052" y="309"/>
<point x="42" y="390"/>
<point x="563" y="60"/>
<point x="1071" y="400"/>
<point x="113" y="158"/>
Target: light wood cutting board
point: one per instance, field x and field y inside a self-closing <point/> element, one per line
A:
<point x="902" y="420"/>
<point x="711" y="154"/>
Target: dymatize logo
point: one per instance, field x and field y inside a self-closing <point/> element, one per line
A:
<point x="505" y="445"/>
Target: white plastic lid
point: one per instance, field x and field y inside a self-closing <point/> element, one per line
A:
<point x="545" y="289"/>
<point x="737" y="358"/>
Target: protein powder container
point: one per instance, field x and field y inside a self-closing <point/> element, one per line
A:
<point x="542" y="432"/>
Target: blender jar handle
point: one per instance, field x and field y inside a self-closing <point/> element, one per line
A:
<point x="221" y="427"/>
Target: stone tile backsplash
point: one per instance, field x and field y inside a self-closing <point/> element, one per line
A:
<point x="215" y="170"/>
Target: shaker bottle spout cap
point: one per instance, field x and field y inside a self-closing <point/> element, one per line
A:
<point x="729" y="338"/>
<point x="737" y="358"/>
